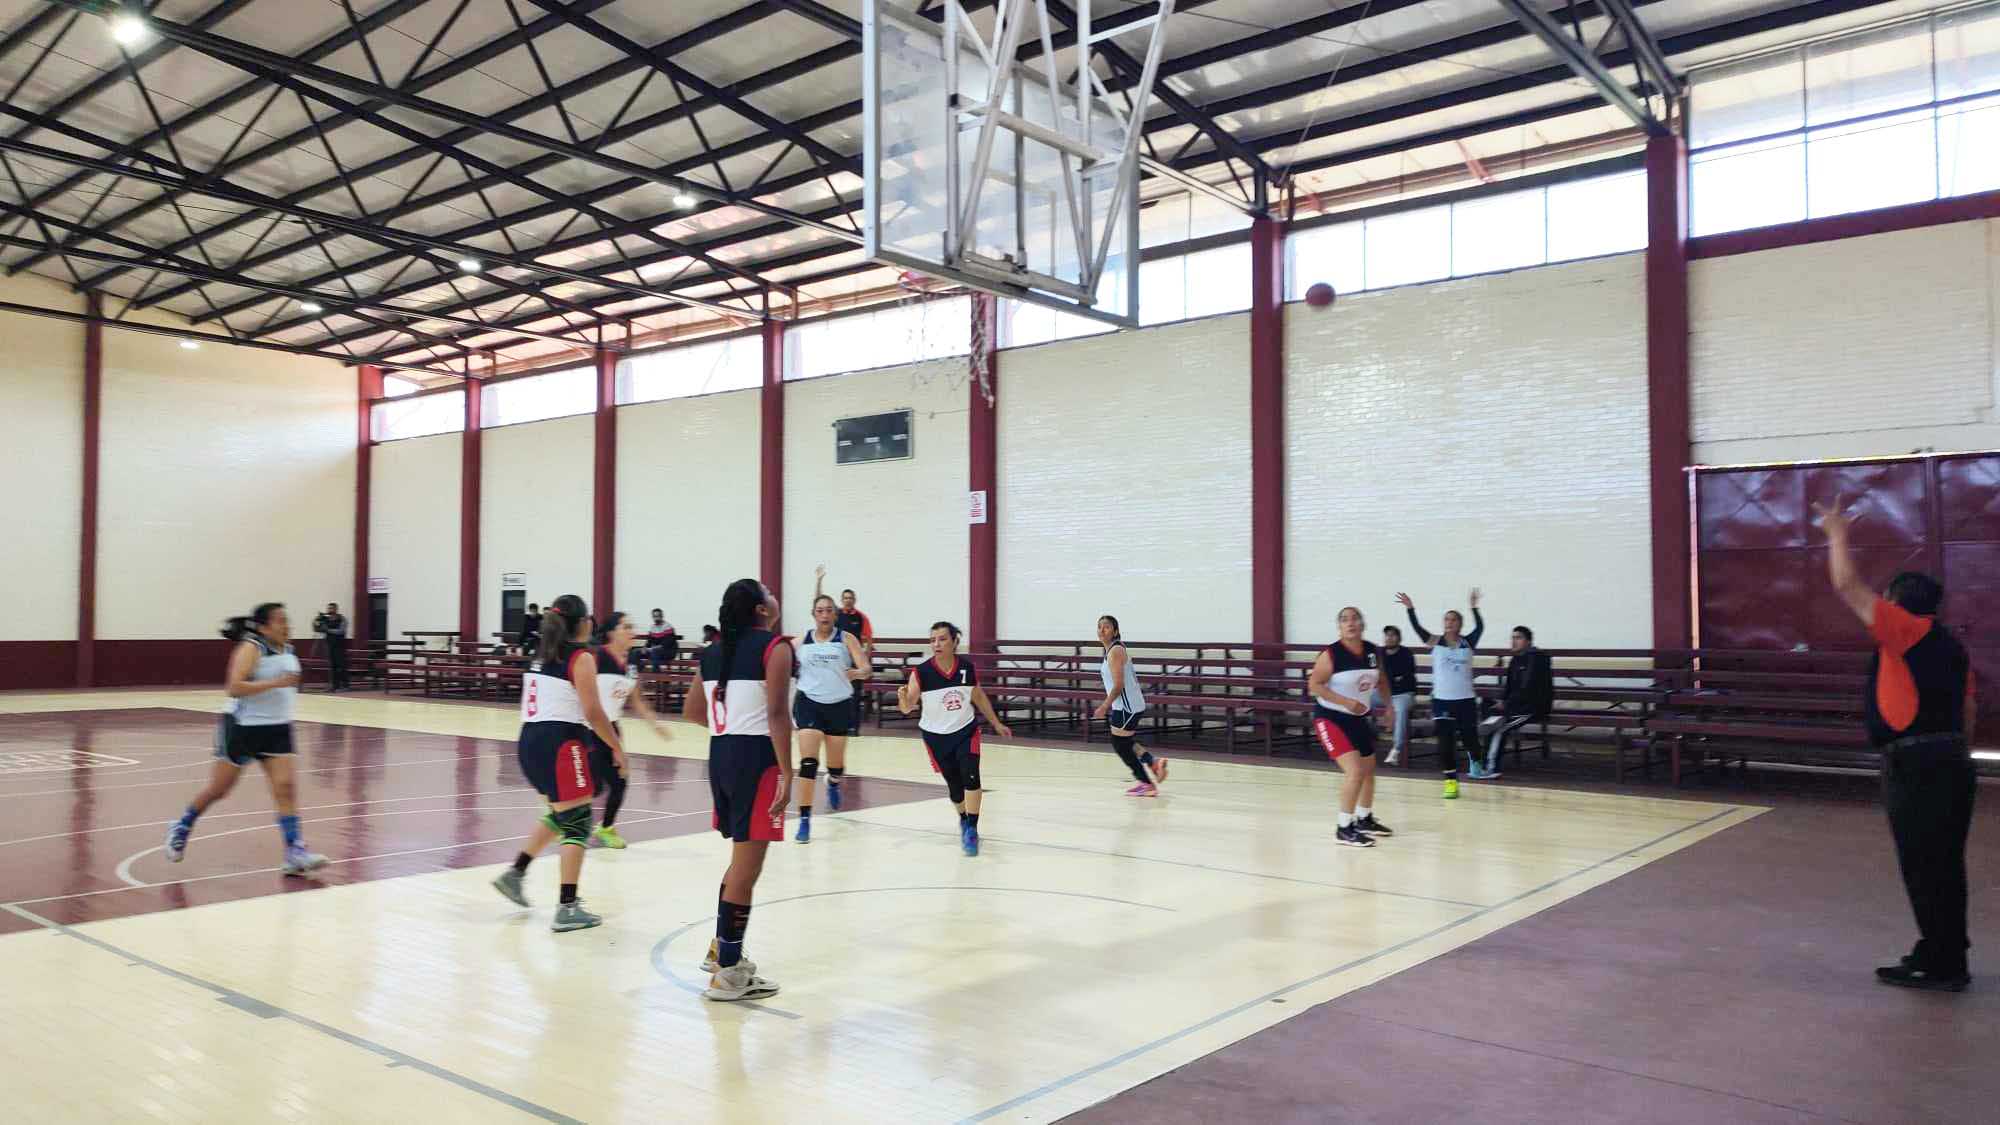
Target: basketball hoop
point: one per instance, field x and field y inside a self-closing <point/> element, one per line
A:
<point x="918" y="293"/>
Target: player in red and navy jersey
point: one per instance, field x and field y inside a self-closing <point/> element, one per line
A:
<point x="741" y="694"/>
<point x="947" y="688"/>
<point x="1342" y="685"/>
<point x="560" y="710"/>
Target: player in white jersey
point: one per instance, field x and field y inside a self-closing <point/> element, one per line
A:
<point x="739" y="694"/>
<point x="560" y="710"/>
<point x="824" y="712"/>
<point x="947" y="688"/>
<point x="1123" y="705"/>
<point x="618" y="687"/>
<point x="262" y="682"/>
<point x="1454" y="702"/>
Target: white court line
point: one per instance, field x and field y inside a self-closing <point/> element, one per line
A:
<point x="330" y="863"/>
<point x="184" y="780"/>
<point x="124" y="871"/>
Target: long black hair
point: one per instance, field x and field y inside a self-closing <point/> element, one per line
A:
<point x="737" y="614"/>
<point x="607" y="627"/>
<point x="559" y="625"/>
<point x="237" y="628"/>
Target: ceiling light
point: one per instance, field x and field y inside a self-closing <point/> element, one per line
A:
<point x="127" y="29"/>
<point x="470" y="265"/>
<point x="189" y="345"/>
<point x="683" y="200"/>
<point x="309" y="306"/>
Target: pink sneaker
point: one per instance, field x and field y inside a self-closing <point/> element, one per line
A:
<point x="1143" y="789"/>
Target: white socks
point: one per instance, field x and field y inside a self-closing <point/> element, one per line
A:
<point x="1347" y="820"/>
<point x="1363" y="814"/>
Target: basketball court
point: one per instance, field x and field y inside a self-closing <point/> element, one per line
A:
<point x="1095" y="943"/>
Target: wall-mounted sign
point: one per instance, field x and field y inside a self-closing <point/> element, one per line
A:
<point x="378" y="585"/>
<point x="978" y="510"/>
<point x="514" y="580"/>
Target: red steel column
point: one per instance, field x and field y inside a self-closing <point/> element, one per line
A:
<point x="1668" y="426"/>
<point x="468" y="519"/>
<point x="368" y="388"/>
<point x="983" y="473"/>
<point x="1267" y="431"/>
<point x="771" y="496"/>
<point x="604" y="492"/>
<point x="86" y="575"/>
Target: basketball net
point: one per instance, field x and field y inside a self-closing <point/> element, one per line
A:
<point x="927" y="327"/>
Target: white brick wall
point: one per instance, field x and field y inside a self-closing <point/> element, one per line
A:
<point x="687" y="505"/>
<point x="1125" y="484"/>
<point x="1489" y="431"/>
<point x="535" y="495"/>
<point x="41" y="474"/>
<point x="227" y="479"/>
<point x="1861" y="347"/>
<point x="893" y="530"/>
<point x="413" y="517"/>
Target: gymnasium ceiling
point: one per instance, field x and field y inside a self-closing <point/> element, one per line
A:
<point x="244" y="160"/>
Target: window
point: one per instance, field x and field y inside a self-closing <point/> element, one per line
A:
<point x="1603" y="215"/>
<point x="1407" y="247"/>
<point x="396" y="387"/>
<point x="1216" y="281"/>
<point x="440" y="413"/>
<point x="1878" y="118"/>
<point x="1499" y="232"/>
<point x="734" y="364"/>
<point x="1023" y="325"/>
<point x="908" y="331"/>
<point x="1330" y="254"/>
<point x="557" y="394"/>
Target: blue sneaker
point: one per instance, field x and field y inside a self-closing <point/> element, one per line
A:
<point x="1475" y="772"/>
<point x="968" y="837"/>
<point x="177" y="841"/>
<point x="805" y="830"/>
<point x="833" y="795"/>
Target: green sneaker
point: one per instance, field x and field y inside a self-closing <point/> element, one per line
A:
<point x="608" y="836"/>
<point x="1451" y="789"/>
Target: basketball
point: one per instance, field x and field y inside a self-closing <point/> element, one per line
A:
<point x="1320" y="295"/>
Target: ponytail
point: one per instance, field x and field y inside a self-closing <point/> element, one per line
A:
<point x="237" y="628"/>
<point x="559" y="625"/>
<point x="737" y="614"/>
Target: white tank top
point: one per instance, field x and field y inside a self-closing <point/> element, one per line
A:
<point x="548" y="694"/>
<point x="615" y="685"/>
<point x="1451" y="671"/>
<point x="823" y="667"/>
<point x="268" y="708"/>
<point x="1130" y="700"/>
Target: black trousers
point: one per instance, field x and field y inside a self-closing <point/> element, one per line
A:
<point x="336" y="661"/>
<point x="1928" y="791"/>
<point x="1457" y="720"/>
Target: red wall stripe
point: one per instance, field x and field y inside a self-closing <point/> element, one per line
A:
<point x="468" y="518"/>
<point x="1935" y="212"/>
<point x="1668" y="427"/>
<point x="771" y="494"/>
<point x="983" y="473"/>
<point x="604" y="489"/>
<point x="1267" y="431"/>
<point x="86" y="576"/>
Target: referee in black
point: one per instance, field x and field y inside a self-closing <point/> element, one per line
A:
<point x="332" y="628"/>
<point x="1920" y="710"/>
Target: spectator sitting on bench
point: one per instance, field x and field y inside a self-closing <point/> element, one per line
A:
<point x="663" y="644"/>
<point x="709" y="635"/>
<point x="531" y="630"/>
<point x="1530" y="694"/>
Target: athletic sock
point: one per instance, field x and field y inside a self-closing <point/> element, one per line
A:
<point x="1346" y="820"/>
<point x="522" y="861"/>
<point x="805" y="812"/>
<point x="568" y="893"/>
<point x="732" y="921"/>
<point x="1363" y="813"/>
<point x="190" y="816"/>
<point x="289" y="825"/>
<point x="972" y="821"/>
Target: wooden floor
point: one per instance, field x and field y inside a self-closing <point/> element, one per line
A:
<point x="1097" y="942"/>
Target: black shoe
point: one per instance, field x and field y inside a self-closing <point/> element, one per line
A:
<point x="1909" y="976"/>
<point x="1373" y="827"/>
<point x="1353" y="838"/>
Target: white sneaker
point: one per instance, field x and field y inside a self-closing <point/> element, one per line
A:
<point x="711" y="966"/>
<point x="1394" y="757"/>
<point x="738" y="982"/>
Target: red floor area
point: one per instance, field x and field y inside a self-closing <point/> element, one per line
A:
<point x="88" y="794"/>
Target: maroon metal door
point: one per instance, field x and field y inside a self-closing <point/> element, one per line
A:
<point x="1760" y="557"/>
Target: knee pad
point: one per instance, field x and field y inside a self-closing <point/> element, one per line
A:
<point x="573" y="825"/>
<point x="808" y="768"/>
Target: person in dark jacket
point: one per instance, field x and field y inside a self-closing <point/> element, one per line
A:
<point x="1531" y="692"/>
<point x="1401" y="666"/>
<point x="531" y="629"/>
<point x="332" y="628"/>
<point x="1920" y="711"/>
